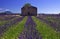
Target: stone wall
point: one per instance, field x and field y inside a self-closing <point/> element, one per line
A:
<point x="29" y="11"/>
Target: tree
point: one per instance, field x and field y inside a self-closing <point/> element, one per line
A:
<point x="27" y="4"/>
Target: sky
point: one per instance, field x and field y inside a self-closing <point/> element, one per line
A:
<point x="43" y="6"/>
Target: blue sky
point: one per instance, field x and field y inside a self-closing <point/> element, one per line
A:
<point x="43" y="6"/>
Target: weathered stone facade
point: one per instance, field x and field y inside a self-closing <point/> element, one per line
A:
<point x="28" y="11"/>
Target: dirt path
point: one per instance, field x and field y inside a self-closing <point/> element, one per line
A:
<point x="30" y="31"/>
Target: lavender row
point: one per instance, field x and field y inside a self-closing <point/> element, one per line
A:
<point x="6" y="18"/>
<point x="53" y="21"/>
<point x="6" y="26"/>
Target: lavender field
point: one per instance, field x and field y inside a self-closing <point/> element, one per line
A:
<point x="30" y="27"/>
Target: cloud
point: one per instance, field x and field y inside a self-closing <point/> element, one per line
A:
<point x="7" y="9"/>
<point x="1" y="9"/>
<point x="4" y="9"/>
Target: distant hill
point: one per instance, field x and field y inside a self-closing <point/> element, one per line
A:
<point x="6" y="12"/>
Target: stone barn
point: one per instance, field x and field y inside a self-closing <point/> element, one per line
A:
<point x="28" y="10"/>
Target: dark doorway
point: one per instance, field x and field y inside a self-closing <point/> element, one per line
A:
<point x="29" y="14"/>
